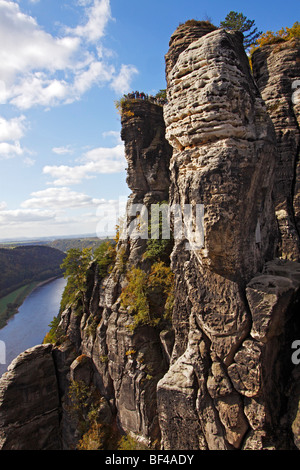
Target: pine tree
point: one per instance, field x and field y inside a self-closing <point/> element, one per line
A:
<point x="239" y="22"/>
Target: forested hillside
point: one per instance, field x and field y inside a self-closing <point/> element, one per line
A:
<point x="24" y="264"/>
<point x="65" y="244"/>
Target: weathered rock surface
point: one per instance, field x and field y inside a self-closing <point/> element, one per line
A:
<point x="126" y="365"/>
<point x="231" y="334"/>
<point x="29" y="402"/>
<point x="182" y="37"/>
<point x="221" y="376"/>
<point x="276" y="67"/>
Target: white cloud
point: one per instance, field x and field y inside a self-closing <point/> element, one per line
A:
<point x="12" y="129"/>
<point x="98" y="73"/>
<point x="97" y="16"/>
<point x="64" y="150"/>
<point x="26" y="47"/>
<point x="38" y="90"/>
<point x="19" y="216"/>
<point x="120" y="83"/>
<point x="57" y="211"/>
<point x="8" y="150"/>
<point x="59" y="198"/>
<point x="115" y="135"/>
<point x="28" y="161"/>
<point x="10" y="132"/>
<point x="37" y="68"/>
<point x="96" y="161"/>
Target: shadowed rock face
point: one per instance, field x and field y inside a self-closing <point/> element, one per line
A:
<point x="147" y="152"/>
<point x="127" y="364"/>
<point x="276" y="67"/>
<point x="226" y="381"/>
<point x="224" y="153"/>
<point x="29" y="402"/>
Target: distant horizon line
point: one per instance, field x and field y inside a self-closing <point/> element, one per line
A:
<point x="58" y="237"/>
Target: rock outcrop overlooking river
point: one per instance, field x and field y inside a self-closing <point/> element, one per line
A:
<point x="216" y="373"/>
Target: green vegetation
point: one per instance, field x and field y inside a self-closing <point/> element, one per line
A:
<point x="158" y="249"/>
<point x="123" y="106"/>
<point x="105" y="256"/>
<point x="149" y="297"/>
<point x="66" y="244"/>
<point x="85" y="404"/>
<point x="129" y="443"/>
<point x="239" y="22"/>
<point x="76" y="269"/>
<point x="23" y="265"/>
<point x="162" y="94"/>
<point x="10" y="304"/>
<point x="56" y="334"/>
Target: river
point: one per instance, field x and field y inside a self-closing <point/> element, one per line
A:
<point x="28" y="327"/>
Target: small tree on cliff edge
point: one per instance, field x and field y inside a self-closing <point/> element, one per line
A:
<point x="239" y="22"/>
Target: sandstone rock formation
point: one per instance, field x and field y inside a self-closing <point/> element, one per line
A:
<point x="219" y="376"/>
<point x="182" y="37"/>
<point x="276" y="67"/>
<point x="231" y="331"/>
<point x="29" y="402"/>
<point x="126" y="364"/>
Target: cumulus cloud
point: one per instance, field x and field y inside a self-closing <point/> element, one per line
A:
<point x="11" y="131"/>
<point x="97" y="16"/>
<point x="19" y="216"/>
<point x="59" y="198"/>
<point x="97" y="161"/>
<point x="37" y="68"/>
<point x="8" y="150"/>
<point x="120" y="82"/>
<point x="25" y="47"/>
<point x="64" y="150"/>
<point x="28" y="161"/>
<point x="57" y="211"/>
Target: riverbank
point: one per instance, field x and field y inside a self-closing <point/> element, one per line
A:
<point x="10" y="304"/>
<point x="29" y="327"/>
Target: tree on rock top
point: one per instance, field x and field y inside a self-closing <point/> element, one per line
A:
<point x="239" y="22"/>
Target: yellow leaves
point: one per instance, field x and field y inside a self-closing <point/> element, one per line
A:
<point x="284" y="34"/>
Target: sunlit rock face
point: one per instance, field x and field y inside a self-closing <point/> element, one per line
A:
<point x="224" y="154"/>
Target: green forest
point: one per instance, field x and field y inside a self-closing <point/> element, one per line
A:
<point x="22" y="268"/>
<point x="25" y="264"/>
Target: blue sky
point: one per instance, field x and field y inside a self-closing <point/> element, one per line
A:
<point x="62" y="66"/>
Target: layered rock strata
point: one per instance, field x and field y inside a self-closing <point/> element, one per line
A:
<point x="276" y="69"/>
<point x="223" y="367"/>
<point x="126" y="364"/>
<point x="29" y="402"/>
<point x="221" y="375"/>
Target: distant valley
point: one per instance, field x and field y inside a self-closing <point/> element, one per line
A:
<point x="27" y="263"/>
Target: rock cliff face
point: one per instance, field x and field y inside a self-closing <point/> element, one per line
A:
<point x="29" y="402"/>
<point x="126" y="365"/>
<point x="275" y="69"/>
<point x="228" y="348"/>
<point x="219" y="375"/>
